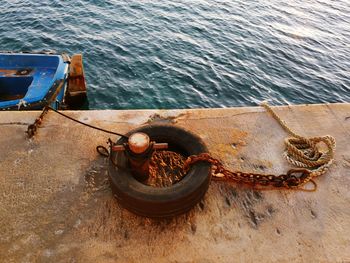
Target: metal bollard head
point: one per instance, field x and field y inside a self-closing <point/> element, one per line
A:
<point x="139" y="142"/>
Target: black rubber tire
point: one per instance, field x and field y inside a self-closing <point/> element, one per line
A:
<point x="168" y="201"/>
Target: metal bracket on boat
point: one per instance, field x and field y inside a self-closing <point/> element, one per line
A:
<point x="66" y="58"/>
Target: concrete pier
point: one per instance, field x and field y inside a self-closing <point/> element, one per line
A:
<point x="56" y="204"/>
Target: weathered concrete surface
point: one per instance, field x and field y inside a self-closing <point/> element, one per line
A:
<point x="56" y="204"/>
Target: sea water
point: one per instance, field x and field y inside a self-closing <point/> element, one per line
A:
<point x="189" y="54"/>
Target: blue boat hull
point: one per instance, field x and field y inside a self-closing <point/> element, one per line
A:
<point x="32" y="81"/>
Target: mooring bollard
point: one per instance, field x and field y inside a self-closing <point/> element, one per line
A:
<point x="139" y="151"/>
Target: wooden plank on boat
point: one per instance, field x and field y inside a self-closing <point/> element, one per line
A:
<point x="76" y="91"/>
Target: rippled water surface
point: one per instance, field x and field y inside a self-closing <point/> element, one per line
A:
<point x="199" y="53"/>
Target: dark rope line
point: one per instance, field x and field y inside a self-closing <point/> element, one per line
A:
<point x="88" y="125"/>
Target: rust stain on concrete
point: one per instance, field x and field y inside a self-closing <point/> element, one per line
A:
<point x="226" y="143"/>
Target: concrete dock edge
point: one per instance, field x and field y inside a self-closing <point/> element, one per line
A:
<point x="56" y="204"/>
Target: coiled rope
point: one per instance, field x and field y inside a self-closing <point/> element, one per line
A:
<point x="303" y="152"/>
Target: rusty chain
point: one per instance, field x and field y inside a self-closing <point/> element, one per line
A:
<point x="294" y="178"/>
<point x="300" y="151"/>
<point x="165" y="168"/>
<point x="32" y="128"/>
